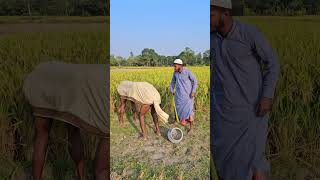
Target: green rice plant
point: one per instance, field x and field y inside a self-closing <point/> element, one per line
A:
<point x="19" y="54"/>
<point x="160" y="78"/>
<point x="294" y="120"/>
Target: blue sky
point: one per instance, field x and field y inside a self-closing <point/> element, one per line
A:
<point x="168" y="26"/>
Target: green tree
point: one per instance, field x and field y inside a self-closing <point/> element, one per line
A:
<point x="149" y="57"/>
<point x="198" y="59"/>
<point x="131" y="59"/>
<point x="187" y="56"/>
<point x="121" y="61"/>
<point x="113" y="61"/>
<point x="170" y="59"/>
<point x="206" y="57"/>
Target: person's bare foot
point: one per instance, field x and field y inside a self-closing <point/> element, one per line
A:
<point x="189" y="131"/>
<point x="120" y="120"/>
<point x="142" y="137"/>
<point x="190" y="128"/>
<point x="158" y="133"/>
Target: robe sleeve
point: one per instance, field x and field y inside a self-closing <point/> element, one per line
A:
<point x="193" y="81"/>
<point x="173" y="83"/>
<point x="271" y="67"/>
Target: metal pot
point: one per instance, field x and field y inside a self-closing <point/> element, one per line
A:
<point x="175" y="135"/>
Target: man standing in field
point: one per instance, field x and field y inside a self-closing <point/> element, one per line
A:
<point x="186" y="84"/>
<point x="244" y="72"/>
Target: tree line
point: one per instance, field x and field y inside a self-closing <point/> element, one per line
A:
<point x="54" y="8"/>
<point x="102" y="7"/>
<point x="149" y="57"/>
<point x="279" y="7"/>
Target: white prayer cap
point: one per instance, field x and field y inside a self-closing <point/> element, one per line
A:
<point x="178" y="61"/>
<point x="221" y="3"/>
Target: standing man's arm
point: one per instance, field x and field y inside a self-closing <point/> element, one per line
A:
<point x="194" y="84"/>
<point x="173" y="84"/>
<point x="271" y="69"/>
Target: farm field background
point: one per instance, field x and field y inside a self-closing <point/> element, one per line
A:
<point x="157" y="157"/>
<point x="294" y="126"/>
<point x="160" y="78"/>
<point x="293" y="144"/>
<point x="24" y="43"/>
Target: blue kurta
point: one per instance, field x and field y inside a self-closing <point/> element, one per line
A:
<point x="185" y="83"/>
<point x="238" y="81"/>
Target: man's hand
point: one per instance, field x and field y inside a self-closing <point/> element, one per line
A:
<point x="264" y="106"/>
<point x="192" y="95"/>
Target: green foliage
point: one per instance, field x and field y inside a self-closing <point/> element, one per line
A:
<point x="54" y="8"/>
<point x="294" y="120"/>
<point x="281" y="8"/>
<point x="53" y="19"/>
<point x="149" y="57"/>
<point x="19" y="54"/>
<point x="160" y="78"/>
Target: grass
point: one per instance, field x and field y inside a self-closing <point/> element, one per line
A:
<point x="160" y="78"/>
<point x="294" y="126"/>
<point x="19" y="54"/>
<point x="52" y="19"/>
<point x="131" y="158"/>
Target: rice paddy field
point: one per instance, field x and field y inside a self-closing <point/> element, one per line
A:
<point x="293" y="147"/>
<point x="160" y="78"/>
<point x="294" y="126"/>
<point x="24" y="43"/>
<point x="158" y="158"/>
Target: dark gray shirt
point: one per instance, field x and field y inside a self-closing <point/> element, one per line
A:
<point x="244" y="68"/>
<point x="238" y="59"/>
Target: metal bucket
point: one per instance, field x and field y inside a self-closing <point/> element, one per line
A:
<point x="175" y="135"/>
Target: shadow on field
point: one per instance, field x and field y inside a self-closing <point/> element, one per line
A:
<point x="164" y="131"/>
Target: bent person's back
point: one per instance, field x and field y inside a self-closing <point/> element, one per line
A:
<point x="73" y="93"/>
